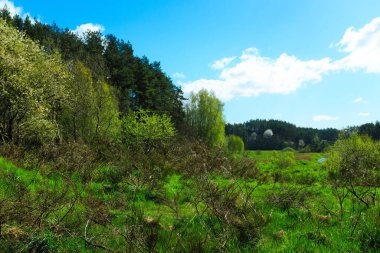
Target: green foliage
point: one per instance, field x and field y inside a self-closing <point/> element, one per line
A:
<point x="369" y="235"/>
<point x="34" y="88"/>
<point x="355" y="160"/>
<point x="318" y="145"/>
<point x="204" y="114"/>
<point x="135" y="204"/>
<point x="370" y="129"/>
<point x="285" y="135"/>
<point x="161" y="198"/>
<point x="140" y="84"/>
<point x="234" y="144"/>
<point x="288" y="149"/>
<point x="146" y="129"/>
<point x="283" y="159"/>
<point x="92" y="108"/>
<point x="354" y="169"/>
<point x="107" y="122"/>
<point x="78" y="120"/>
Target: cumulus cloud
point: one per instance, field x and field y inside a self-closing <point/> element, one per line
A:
<point x="82" y="29"/>
<point x="14" y="10"/>
<point x="221" y="89"/>
<point x="255" y="74"/>
<point x="362" y="47"/>
<point x="319" y="118"/>
<point x="252" y="74"/>
<point x="249" y="52"/>
<point x="222" y="63"/>
<point x="363" y="114"/>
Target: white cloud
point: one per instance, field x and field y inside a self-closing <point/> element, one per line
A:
<point x="319" y="118"/>
<point x="14" y="10"/>
<point x="221" y="89"/>
<point x="358" y="100"/>
<point x="363" y="114"/>
<point x="249" y="52"/>
<point x="82" y="29"/>
<point x="363" y="48"/>
<point x="222" y="63"/>
<point x="255" y="74"/>
<point x="179" y="75"/>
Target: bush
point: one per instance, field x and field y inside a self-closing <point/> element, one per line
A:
<point x="355" y="160"/>
<point x="286" y="198"/>
<point x="144" y="129"/>
<point x="288" y="149"/>
<point x="283" y="159"/>
<point x="235" y="144"/>
<point x="354" y="165"/>
<point x="231" y="219"/>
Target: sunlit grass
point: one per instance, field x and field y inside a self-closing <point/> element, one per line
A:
<point x="313" y="225"/>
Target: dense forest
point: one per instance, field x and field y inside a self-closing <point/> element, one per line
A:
<point x="101" y="152"/>
<point x="285" y="135"/>
<point x="104" y="65"/>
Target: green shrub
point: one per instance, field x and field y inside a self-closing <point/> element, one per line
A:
<point x="283" y="159"/>
<point x="110" y="174"/>
<point x="288" y="149"/>
<point x="369" y="232"/>
<point x="355" y="159"/>
<point x="144" y="129"/>
<point x="286" y="198"/>
<point x="234" y="144"/>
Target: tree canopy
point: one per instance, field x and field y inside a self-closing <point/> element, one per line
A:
<point x="204" y="114"/>
<point x="234" y="144"/>
<point x="284" y="135"/>
<point x="33" y="89"/>
<point x="138" y="82"/>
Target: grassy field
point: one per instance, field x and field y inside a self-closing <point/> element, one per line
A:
<point x="281" y="209"/>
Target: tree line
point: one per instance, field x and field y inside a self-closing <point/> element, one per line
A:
<point x="289" y="135"/>
<point x="57" y="85"/>
<point x="284" y="135"/>
<point x="60" y="86"/>
<point x="138" y="83"/>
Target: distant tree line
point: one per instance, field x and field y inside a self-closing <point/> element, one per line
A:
<point x="370" y="129"/>
<point x="284" y="135"/>
<point x="288" y="135"/>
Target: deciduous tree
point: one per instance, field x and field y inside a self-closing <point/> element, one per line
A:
<point x="33" y="88"/>
<point x="204" y="114"/>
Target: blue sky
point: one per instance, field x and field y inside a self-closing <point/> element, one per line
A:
<point x="312" y="63"/>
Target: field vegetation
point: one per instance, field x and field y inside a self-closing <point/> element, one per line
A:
<point x="99" y="152"/>
<point x="264" y="201"/>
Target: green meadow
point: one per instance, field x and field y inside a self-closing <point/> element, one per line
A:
<point x="267" y="208"/>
